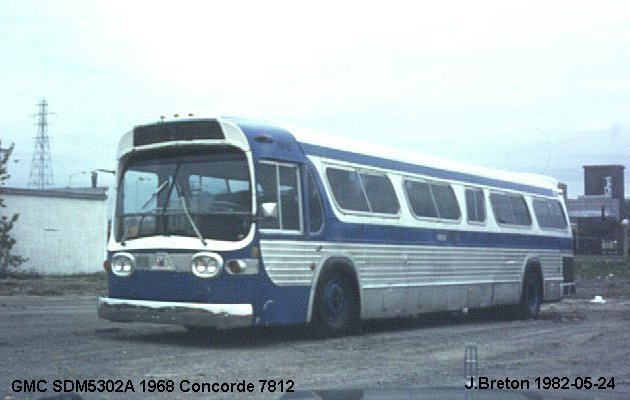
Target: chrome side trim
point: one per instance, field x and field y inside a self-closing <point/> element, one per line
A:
<point x="289" y="263"/>
<point x="165" y="312"/>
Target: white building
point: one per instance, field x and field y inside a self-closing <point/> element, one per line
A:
<point x="60" y="231"/>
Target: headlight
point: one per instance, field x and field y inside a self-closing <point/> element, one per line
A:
<point x="206" y="265"/>
<point x="123" y="264"/>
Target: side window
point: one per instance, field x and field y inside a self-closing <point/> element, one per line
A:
<point x="475" y="205"/>
<point x="446" y="202"/>
<point x="380" y="193"/>
<point x="289" y="193"/>
<point x="557" y="213"/>
<point x="268" y="192"/>
<point x="501" y="208"/>
<point x="347" y="190"/>
<point x="280" y="184"/>
<point x="420" y="199"/>
<point x="549" y="214"/>
<point x="510" y="209"/>
<point x="315" y="207"/>
<point x="521" y="212"/>
<point x="362" y="191"/>
<point x="432" y="200"/>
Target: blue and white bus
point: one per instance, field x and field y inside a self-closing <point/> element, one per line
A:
<point x="226" y="222"/>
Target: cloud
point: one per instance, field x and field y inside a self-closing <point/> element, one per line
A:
<point x="493" y="82"/>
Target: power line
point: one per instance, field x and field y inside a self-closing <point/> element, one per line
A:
<point x="41" y="176"/>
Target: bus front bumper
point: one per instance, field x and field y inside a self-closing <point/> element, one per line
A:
<point x="222" y="316"/>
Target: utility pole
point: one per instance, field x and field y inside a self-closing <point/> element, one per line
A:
<point x="41" y="176"/>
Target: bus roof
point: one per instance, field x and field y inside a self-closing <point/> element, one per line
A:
<point x="386" y="157"/>
<point x="421" y="159"/>
<point x="390" y="157"/>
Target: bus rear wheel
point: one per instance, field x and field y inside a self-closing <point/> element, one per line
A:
<point x="531" y="297"/>
<point x="336" y="307"/>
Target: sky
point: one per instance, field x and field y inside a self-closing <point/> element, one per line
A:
<point x="533" y="86"/>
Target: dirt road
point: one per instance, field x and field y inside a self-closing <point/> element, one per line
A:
<point x="48" y="338"/>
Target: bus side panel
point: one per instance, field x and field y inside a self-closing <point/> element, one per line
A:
<point x="284" y="305"/>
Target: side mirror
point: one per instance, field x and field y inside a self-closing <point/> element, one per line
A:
<point x="268" y="210"/>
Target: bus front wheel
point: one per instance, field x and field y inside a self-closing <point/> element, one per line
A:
<point x="336" y="307"/>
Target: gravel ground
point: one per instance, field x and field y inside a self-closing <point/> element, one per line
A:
<point x="60" y="337"/>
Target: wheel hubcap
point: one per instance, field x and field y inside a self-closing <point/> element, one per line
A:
<point x="335" y="300"/>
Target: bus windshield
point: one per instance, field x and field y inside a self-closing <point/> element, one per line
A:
<point x="158" y="190"/>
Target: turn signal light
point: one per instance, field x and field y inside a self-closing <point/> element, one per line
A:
<point x="246" y="266"/>
<point x="236" y="266"/>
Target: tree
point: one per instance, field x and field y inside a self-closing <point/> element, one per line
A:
<point x="7" y="259"/>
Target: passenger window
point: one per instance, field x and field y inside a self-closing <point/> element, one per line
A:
<point x="362" y="191"/>
<point x="510" y="209"/>
<point x="557" y="213"/>
<point x="501" y="208"/>
<point x="420" y="199"/>
<point x="280" y="184"/>
<point x="549" y="214"/>
<point x="380" y="193"/>
<point x="315" y="207"/>
<point x="446" y="202"/>
<point x="475" y="205"/>
<point x="521" y="212"/>
<point x="432" y="200"/>
<point x="347" y="189"/>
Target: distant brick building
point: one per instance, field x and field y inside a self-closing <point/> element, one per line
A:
<point x="596" y="216"/>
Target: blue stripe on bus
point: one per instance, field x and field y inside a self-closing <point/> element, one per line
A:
<point x="379" y="162"/>
<point x="394" y="235"/>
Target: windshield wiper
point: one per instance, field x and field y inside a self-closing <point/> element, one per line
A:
<point x="182" y="195"/>
<point x="157" y="191"/>
<point x="146" y="203"/>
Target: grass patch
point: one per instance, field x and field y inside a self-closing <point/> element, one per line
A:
<point x="24" y="283"/>
<point x="20" y="275"/>
<point x="96" y="276"/>
<point x="594" y="269"/>
<point x="25" y="276"/>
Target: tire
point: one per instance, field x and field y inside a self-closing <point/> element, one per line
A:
<point x="336" y="308"/>
<point x="531" y="297"/>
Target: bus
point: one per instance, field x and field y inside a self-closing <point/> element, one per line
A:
<point x="228" y="222"/>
